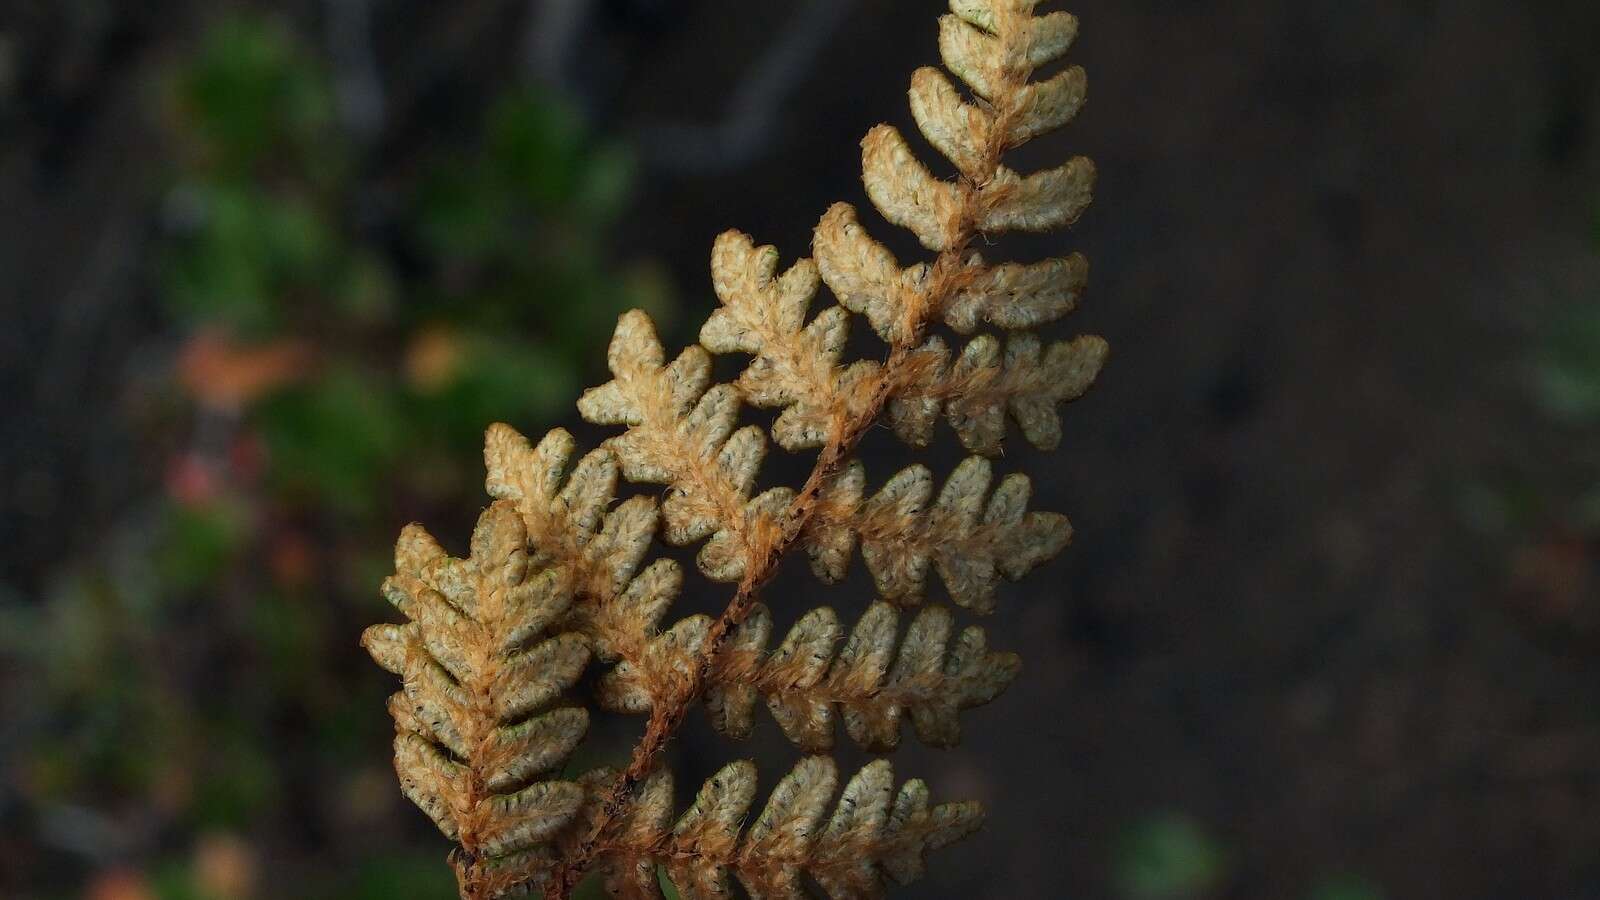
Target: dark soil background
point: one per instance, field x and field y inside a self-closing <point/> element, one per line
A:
<point x="1330" y="626"/>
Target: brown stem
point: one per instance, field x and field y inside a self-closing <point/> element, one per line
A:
<point x="471" y="877"/>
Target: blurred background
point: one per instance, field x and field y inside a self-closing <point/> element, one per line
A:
<point x="1331" y="625"/>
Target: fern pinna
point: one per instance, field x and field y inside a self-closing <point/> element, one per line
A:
<point x="557" y="581"/>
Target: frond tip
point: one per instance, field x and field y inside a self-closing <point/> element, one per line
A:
<point x="478" y="720"/>
<point x="796" y="364"/>
<point x="592" y="543"/>
<point x="875" y="835"/>
<point x="865" y="277"/>
<point x="683" y="432"/>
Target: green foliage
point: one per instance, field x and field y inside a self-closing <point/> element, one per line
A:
<point x="525" y="219"/>
<point x="1563" y="383"/>
<point x="198" y="543"/>
<point x="1566" y="377"/>
<point x="325" y="438"/>
<point x="1345" y="887"/>
<point x="535" y="160"/>
<point x="512" y="229"/>
<point x="1566" y="365"/>
<point x="668" y="889"/>
<point x="245" y="249"/>
<point x="471" y="304"/>
<point x="174" y="881"/>
<point x="1167" y="856"/>
<point x="239" y="781"/>
<point x="387" y="877"/>
<point x="249" y="93"/>
<point x="494" y="373"/>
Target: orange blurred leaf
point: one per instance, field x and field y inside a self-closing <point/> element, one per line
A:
<point x="225" y="375"/>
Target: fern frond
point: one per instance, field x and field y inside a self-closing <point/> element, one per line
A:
<point x="796" y="363"/>
<point x="866" y="278"/>
<point x="564" y="506"/>
<point x="633" y="686"/>
<point x="979" y="387"/>
<point x="681" y="432"/>
<point x="970" y="536"/>
<point x="557" y="576"/>
<point x="574" y="529"/>
<point x="480" y="716"/>
<point x="1015" y="296"/>
<point x="874" y="835"/>
<point x="869" y="680"/>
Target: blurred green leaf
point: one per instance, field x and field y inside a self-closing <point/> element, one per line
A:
<point x="240" y="781"/>
<point x="249" y="91"/>
<point x="333" y="438"/>
<point x="1167" y="855"/>
<point x="366" y="292"/>
<point x="648" y="286"/>
<point x="459" y="214"/>
<point x="421" y="876"/>
<point x="1345" y="887"/>
<point x="535" y="149"/>
<point x="247" y="250"/>
<point x="1566" y="377"/>
<point x="289" y="631"/>
<point x="173" y="880"/>
<point x="198" y="543"/>
<point x="605" y="183"/>
<point x="539" y="186"/>
<point x="218" y="633"/>
<point x="668" y="889"/>
<point x="498" y="376"/>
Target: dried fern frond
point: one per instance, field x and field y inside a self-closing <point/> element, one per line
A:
<point x="970" y="535"/>
<point x="872" y="680"/>
<point x="594" y="547"/>
<point x="557" y="581"/>
<point x="873" y="835"/>
<point x="870" y="677"/>
<point x="480" y="717"/>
